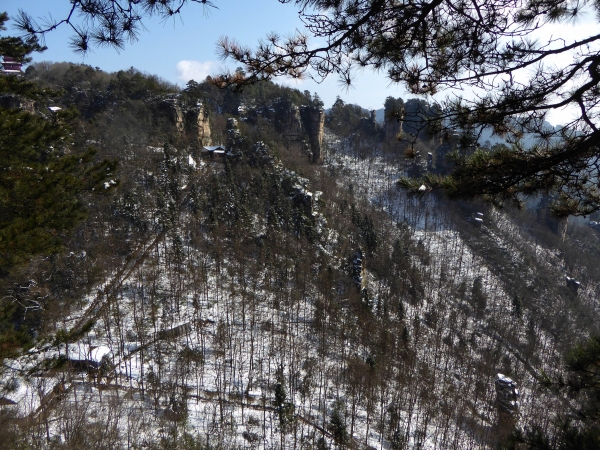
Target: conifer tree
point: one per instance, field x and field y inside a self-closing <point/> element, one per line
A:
<point x="337" y="426"/>
<point x="581" y="429"/>
<point x="43" y="176"/>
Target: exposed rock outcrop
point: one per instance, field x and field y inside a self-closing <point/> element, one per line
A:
<point x="303" y="197"/>
<point x="557" y="225"/>
<point x="302" y="127"/>
<point x="369" y="126"/>
<point x="507" y="396"/>
<point x="393" y="118"/>
<point x="260" y="155"/>
<point x="291" y="124"/>
<point x="573" y="284"/>
<point x="197" y="124"/>
<point x="416" y="117"/>
<point x="359" y="270"/>
<point x="16" y="102"/>
<point x="171" y="108"/>
<point x="313" y="120"/>
<point x="393" y="126"/>
<point x="192" y="121"/>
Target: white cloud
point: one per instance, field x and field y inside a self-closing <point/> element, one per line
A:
<point x="194" y="70"/>
<point x="296" y="83"/>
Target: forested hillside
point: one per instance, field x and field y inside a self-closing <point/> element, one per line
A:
<point x="252" y="296"/>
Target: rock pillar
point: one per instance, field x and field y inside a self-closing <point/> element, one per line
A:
<point x="197" y="124"/>
<point x="313" y="120"/>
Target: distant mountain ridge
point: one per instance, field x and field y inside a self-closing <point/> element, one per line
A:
<point x="487" y="134"/>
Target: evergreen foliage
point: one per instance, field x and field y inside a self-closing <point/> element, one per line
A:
<point x="420" y="119"/>
<point x="254" y="98"/>
<point x="337" y="425"/>
<point x="430" y="46"/>
<point x="43" y="178"/>
<point x="569" y="436"/>
<point x="582" y="381"/>
<point x="17" y="47"/>
<point x="107" y="22"/>
<point x="41" y="184"/>
<point x="366" y="228"/>
<point x="393" y="109"/>
<point x="237" y="238"/>
<point x="285" y="408"/>
<point x="583" y="363"/>
<point x="345" y="119"/>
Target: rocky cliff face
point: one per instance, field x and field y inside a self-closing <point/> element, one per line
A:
<point x="416" y="112"/>
<point x="507" y="399"/>
<point x="359" y="271"/>
<point x="369" y="125"/>
<point x="197" y="124"/>
<point x="392" y="128"/>
<point x="299" y="123"/>
<point x="558" y="225"/>
<point x="393" y="120"/>
<point x="190" y="120"/>
<point x="291" y="124"/>
<point x="16" y="102"/>
<point x="313" y="121"/>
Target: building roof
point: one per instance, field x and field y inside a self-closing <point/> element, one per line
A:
<point x="11" y="65"/>
<point x="213" y="148"/>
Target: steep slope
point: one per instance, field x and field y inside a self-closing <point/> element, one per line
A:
<point x="256" y="300"/>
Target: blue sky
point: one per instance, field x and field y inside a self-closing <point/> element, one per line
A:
<point x="184" y="48"/>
